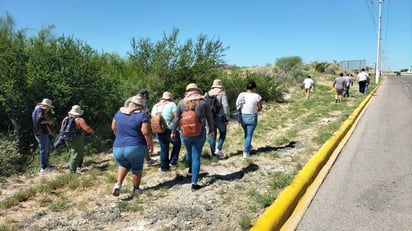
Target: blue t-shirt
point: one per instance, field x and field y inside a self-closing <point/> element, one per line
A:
<point x="37" y="117"/>
<point x="128" y="129"/>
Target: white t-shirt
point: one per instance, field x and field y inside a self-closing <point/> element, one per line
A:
<point x="308" y="83"/>
<point x="250" y="105"/>
<point x="362" y="76"/>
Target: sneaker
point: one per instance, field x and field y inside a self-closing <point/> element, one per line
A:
<point x="219" y="154"/>
<point x="116" y="189"/>
<point x="47" y="169"/>
<point x="163" y="171"/>
<point x="246" y="155"/>
<point x="137" y="191"/>
<point x="196" y="187"/>
<point x="151" y="162"/>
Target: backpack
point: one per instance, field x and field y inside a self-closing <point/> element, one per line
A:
<point x="68" y="131"/>
<point x="189" y="123"/>
<point x="158" y="123"/>
<point x="214" y="103"/>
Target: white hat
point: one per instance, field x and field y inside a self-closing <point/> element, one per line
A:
<point x="46" y="102"/>
<point x="137" y="99"/>
<point x="167" y="95"/>
<point x="76" y="111"/>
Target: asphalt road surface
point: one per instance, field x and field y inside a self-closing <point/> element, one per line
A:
<point x="370" y="185"/>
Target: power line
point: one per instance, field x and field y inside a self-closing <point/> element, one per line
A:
<point x="371" y="13"/>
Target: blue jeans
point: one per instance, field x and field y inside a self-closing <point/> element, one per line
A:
<point x="221" y="126"/>
<point x="249" y="124"/>
<point x="44" y="146"/>
<point x="165" y="141"/>
<point x="194" y="146"/>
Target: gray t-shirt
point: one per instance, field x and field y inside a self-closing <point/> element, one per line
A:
<point x="339" y="83"/>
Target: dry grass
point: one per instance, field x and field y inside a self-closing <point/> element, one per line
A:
<point x="236" y="191"/>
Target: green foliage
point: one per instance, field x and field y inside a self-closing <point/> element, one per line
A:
<point x="289" y="70"/>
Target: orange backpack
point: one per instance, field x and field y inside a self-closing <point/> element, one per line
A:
<point x="189" y="123"/>
<point x="157" y="122"/>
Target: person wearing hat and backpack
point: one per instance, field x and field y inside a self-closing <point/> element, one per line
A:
<point x="76" y="145"/>
<point x="41" y="132"/>
<point x="193" y="108"/>
<point x="167" y="108"/>
<point x="217" y="99"/>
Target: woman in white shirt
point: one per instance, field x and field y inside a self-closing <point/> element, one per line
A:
<point x="249" y="103"/>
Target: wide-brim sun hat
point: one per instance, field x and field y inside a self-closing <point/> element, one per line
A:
<point x="167" y="95"/>
<point x="217" y="83"/>
<point x="138" y="100"/>
<point x="46" y="102"/>
<point x="76" y="111"/>
<point x="192" y="86"/>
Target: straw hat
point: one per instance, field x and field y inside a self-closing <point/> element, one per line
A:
<point x="76" y="111"/>
<point x="167" y="96"/>
<point x="217" y="83"/>
<point x="46" y="102"/>
<point x="192" y="86"/>
<point x="135" y="104"/>
<point x="138" y="100"/>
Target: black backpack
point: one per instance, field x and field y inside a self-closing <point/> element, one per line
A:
<point x="68" y="131"/>
<point x="213" y="103"/>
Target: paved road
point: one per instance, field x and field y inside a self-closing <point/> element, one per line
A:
<point x="370" y="185"/>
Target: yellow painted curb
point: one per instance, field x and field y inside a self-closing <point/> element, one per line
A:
<point x="276" y="215"/>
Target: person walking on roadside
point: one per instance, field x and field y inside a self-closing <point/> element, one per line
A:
<point x="249" y="103"/>
<point x="193" y="101"/>
<point x="41" y="131"/>
<point x="339" y="85"/>
<point x="217" y="99"/>
<point x="348" y="84"/>
<point x="168" y="109"/>
<point x="308" y="85"/>
<point x="362" y="80"/>
<point x="132" y="143"/>
<point x="76" y="145"/>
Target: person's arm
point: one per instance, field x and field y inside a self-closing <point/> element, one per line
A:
<point x="114" y="126"/>
<point x="226" y="109"/>
<point x="209" y="117"/>
<point x="84" y="126"/>
<point x="147" y="133"/>
<point x="259" y="106"/>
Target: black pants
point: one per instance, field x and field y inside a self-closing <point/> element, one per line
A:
<point x="362" y="86"/>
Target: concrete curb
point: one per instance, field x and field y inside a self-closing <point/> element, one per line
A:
<point x="276" y="215"/>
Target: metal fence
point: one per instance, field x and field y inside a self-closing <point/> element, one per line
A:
<point x="353" y="65"/>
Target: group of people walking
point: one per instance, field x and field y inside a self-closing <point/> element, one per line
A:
<point x="341" y="85"/>
<point x="133" y="142"/>
<point x="131" y="125"/>
<point x="42" y="132"/>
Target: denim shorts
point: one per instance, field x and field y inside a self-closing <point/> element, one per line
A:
<point x="130" y="157"/>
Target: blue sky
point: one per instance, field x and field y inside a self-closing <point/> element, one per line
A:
<point x="256" y="32"/>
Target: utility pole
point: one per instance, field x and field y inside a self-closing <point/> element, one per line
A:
<point x="378" y="49"/>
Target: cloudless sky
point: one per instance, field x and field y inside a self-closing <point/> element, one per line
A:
<point x="256" y="32"/>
